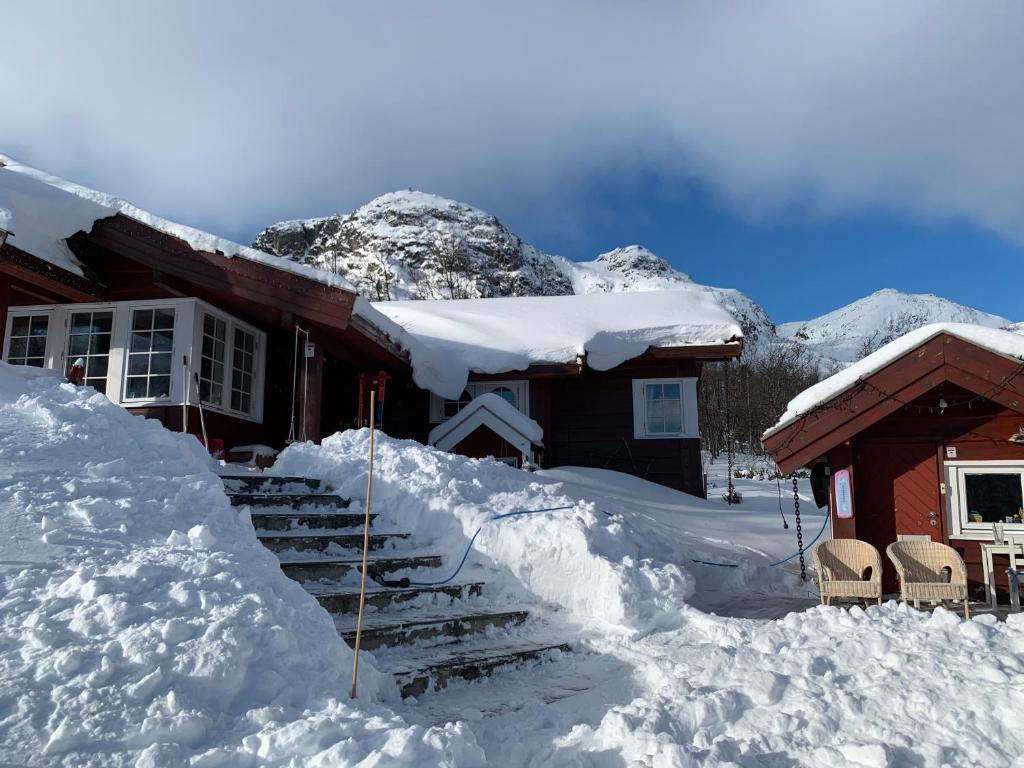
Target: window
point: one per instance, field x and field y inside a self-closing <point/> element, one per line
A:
<point x="212" y="357"/>
<point x="151" y="343"/>
<point x="89" y="340"/>
<point x="982" y="493"/>
<point x="452" y="407"/>
<point x="243" y="366"/>
<point x="27" y="345"/>
<point x="507" y="395"/>
<point x="665" y="408"/>
<point x="994" y="498"/>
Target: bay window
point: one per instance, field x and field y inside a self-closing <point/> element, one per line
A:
<point x="147" y="353"/>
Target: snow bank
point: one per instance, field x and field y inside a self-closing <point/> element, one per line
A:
<point x="44" y="210"/>
<point x="141" y="623"/>
<point x="992" y="339"/>
<point x="582" y="560"/>
<point x="828" y="687"/>
<point x="497" y="335"/>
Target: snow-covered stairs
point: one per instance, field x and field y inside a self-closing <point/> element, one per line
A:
<point x="424" y="635"/>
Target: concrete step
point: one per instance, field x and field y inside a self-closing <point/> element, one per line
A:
<point x="335" y="601"/>
<point x="293" y="500"/>
<point x="318" y="542"/>
<point x="381" y="630"/>
<point x="288" y="521"/>
<point x="260" y="483"/>
<point x="433" y="670"/>
<point x="335" y="568"/>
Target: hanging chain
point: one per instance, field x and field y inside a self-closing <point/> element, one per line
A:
<point x="799" y="529"/>
<point x="728" y="436"/>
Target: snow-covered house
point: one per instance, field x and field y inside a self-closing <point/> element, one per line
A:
<point x="165" y="318"/>
<point x="923" y="437"/>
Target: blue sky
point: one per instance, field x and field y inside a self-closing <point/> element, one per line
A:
<point x="807" y="153"/>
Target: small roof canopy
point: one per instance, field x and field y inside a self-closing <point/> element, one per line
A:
<point x="495" y="413"/>
<point x="985" y="361"/>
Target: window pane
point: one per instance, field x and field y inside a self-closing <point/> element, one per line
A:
<point x="142" y="319"/>
<point x="670" y="391"/>
<point x="18" y="347"/>
<point x="507" y="395"/>
<point x="37" y="346"/>
<point x="19" y="326"/>
<point x="136" y="387"/>
<point x="160" y="363"/>
<point x="35" y="362"/>
<point x="81" y="322"/>
<point x="140" y="342"/>
<point x="138" y="365"/>
<point x="103" y="321"/>
<point x="163" y="319"/>
<point x="78" y="345"/>
<point x="673" y="422"/>
<point x="96" y="366"/>
<point x="654" y="392"/>
<point x="100" y="385"/>
<point x="100" y="344"/>
<point x="39" y="325"/>
<point x="993" y="496"/>
<point x="159" y="386"/>
<point x="163" y="341"/>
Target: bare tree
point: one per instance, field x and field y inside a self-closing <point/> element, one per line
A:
<point x="383" y="276"/>
<point x="453" y="266"/>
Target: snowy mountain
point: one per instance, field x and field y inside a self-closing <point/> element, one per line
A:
<point x="413" y="245"/>
<point x="1016" y="328"/>
<point x="849" y="333"/>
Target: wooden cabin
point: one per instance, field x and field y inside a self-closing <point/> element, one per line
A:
<point x="925" y="437"/>
<point x="198" y="332"/>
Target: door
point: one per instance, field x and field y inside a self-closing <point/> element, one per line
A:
<point x="897" y="488"/>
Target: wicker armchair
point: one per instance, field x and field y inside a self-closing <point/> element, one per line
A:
<point x="848" y="568"/>
<point x="921" y="568"/>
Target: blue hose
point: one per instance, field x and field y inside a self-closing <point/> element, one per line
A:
<point x="777" y="562"/>
<point x="470" y="545"/>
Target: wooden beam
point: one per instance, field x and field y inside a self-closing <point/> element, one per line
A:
<point x="31" y="270"/>
<point x="705" y="352"/>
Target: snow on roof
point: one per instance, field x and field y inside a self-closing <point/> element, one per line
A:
<point x="994" y="340"/>
<point x="509" y="334"/>
<point x="496" y="413"/>
<point x="42" y="211"/>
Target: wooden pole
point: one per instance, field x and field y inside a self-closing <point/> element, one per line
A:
<point x="366" y="545"/>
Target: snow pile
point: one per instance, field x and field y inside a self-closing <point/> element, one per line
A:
<point x="590" y="564"/>
<point x="141" y="623"/>
<point x="510" y="334"/>
<point x="995" y="340"/>
<point x="828" y="687"/>
<point x="44" y="210"/>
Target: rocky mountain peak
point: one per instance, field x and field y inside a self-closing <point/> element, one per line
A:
<point x="638" y="261"/>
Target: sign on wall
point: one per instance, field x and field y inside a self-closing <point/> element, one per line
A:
<point x="844" y="498"/>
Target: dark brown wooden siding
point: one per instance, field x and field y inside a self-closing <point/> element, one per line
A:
<point x="588" y="421"/>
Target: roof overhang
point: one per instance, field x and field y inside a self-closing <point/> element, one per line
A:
<point x="942" y="358"/>
<point x="49" y="278"/>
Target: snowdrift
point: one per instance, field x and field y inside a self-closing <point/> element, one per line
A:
<point x="141" y="623"/>
<point x="582" y="559"/>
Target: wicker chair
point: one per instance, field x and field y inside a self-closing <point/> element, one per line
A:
<point x="848" y="568"/>
<point x="921" y="568"/>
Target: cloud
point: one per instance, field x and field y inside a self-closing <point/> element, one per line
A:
<point x="231" y="115"/>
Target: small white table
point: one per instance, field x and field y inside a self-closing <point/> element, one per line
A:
<point x="987" y="550"/>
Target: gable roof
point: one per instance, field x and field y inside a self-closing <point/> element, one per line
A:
<point x="985" y="361"/>
<point x="495" y="413"/>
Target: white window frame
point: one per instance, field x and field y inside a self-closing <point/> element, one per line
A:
<point x="187" y="342"/>
<point x="688" y="406"/>
<point x="34" y="311"/>
<point x="175" y="373"/>
<point x="520" y="387"/>
<point x="958" y="525"/>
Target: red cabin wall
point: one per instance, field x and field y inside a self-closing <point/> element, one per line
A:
<point x="483" y="442"/>
<point x="978" y="433"/>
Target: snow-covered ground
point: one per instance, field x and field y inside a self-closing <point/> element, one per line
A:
<point x="142" y="624"/>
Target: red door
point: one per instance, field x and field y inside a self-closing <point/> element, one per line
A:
<point x="897" y="488"/>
